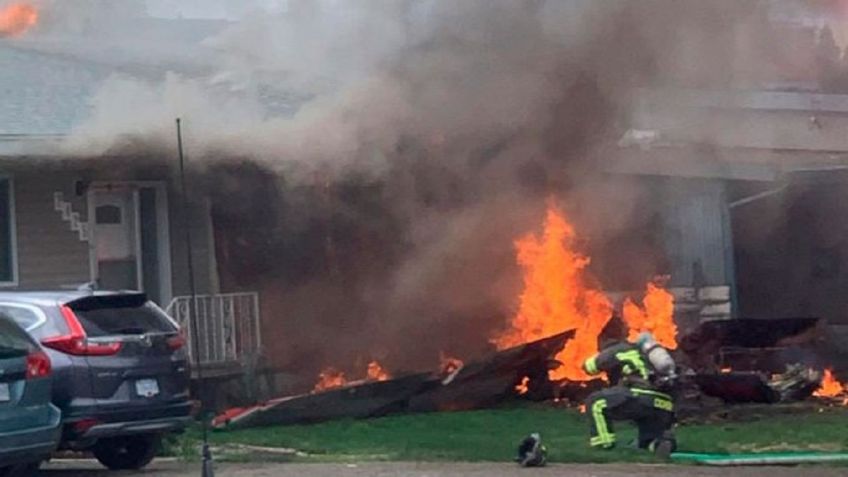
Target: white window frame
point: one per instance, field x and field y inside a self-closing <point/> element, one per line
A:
<point x="13" y="234"/>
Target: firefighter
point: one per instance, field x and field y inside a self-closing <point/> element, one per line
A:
<point x="641" y="376"/>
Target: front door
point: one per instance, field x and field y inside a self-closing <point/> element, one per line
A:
<point x="129" y="238"/>
<point x="116" y="235"/>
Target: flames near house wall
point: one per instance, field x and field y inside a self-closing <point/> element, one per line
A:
<point x="379" y="221"/>
<point x="415" y="236"/>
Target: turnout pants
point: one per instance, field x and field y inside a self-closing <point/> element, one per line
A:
<point x="651" y="411"/>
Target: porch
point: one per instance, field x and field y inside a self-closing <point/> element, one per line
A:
<point x="229" y="332"/>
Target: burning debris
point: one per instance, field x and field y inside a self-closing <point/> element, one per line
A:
<point x="376" y="372"/>
<point x="522" y="387"/>
<point x="562" y="317"/>
<point x="479" y="384"/>
<point x="17" y="18"/>
<point x="831" y="388"/>
<point x="449" y="365"/>
<point x="328" y="379"/>
<point x="331" y="378"/>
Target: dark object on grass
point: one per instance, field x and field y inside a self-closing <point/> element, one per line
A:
<point x="477" y="385"/>
<point x="737" y="387"/>
<point x="488" y="382"/>
<point x="756" y="346"/>
<point x="531" y="452"/>
<point x="797" y="383"/>
<point x="747" y="333"/>
<point x="356" y="402"/>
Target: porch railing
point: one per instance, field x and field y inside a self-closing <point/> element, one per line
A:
<point x="228" y="326"/>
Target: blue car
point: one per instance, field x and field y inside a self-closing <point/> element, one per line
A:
<point x="30" y="425"/>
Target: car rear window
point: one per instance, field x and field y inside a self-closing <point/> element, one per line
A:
<point x="26" y="317"/>
<point x="110" y="316"/>
<point x="13" y="340"/>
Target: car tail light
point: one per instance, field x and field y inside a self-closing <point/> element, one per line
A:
<point x="176" y="342"/>
<point x="37" y="365"/>
<point x="76" y="342"/>
<point x="83" y="425"/>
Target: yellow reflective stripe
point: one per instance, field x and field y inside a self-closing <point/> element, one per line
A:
<point x="601" y="422"/>
<point x="600" y="441"/>
<point x="649" y="392"/>
<point x="661" y="400"/>
<point x="635" y="358"/>
<point x="591" y="365"/>
<point x="663" y="404"/>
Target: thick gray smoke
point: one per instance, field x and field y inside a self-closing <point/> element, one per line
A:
<point x="410" y="142"/>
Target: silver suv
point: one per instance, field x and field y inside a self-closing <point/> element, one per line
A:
<point x="120" y="369"/>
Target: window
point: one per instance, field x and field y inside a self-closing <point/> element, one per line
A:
<point x="108" y="215"/>
<point x="120" y="315"/>
<point x="14" y="342"/>
<point x="26" y="317"/>
<point x="7" y="232"/>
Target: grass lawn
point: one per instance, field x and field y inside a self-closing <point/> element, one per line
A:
<point x="493" y="435"/>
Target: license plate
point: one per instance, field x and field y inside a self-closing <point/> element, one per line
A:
<point x="5" y="395"/>
<point x="147" y="387"/>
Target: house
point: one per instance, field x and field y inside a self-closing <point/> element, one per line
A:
<point x="113" y="221"/>
<point x="752" y="177"/>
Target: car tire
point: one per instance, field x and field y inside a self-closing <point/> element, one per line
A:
<point x="22" y="470"/>
<point x="127" y="453"/>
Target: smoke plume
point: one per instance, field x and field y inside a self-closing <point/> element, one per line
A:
<point x="372" y="162"/>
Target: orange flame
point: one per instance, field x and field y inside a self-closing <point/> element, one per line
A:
<point x="328" y="379"/>
<point x="448" y="364"/>
<point x="524" y="386"/>
<point x="557" y="297"/>
<point x="830" y="386"/>
<point x="726" y="370"/>
<point x="17" y="18"/>
<point x="655" y="316"/>
<point x="376" y="372"/>
<point x="331" y="378"/>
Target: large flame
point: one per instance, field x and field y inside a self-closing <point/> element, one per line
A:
<point x="656" y="316"/>
<point x="557" y="297"/>
<point x="17" y="18"/>
<point x="830" y="386"/>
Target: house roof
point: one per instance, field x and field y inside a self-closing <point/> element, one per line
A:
<point x="47" y="81"/>
<point x="44" y="94"/>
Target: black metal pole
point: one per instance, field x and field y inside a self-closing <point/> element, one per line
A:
<point x="208" y="470"/>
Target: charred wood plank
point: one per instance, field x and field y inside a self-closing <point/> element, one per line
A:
<point x="477" y="385"/>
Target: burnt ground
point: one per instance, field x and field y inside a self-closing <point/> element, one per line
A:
<point x="173" y="469"/>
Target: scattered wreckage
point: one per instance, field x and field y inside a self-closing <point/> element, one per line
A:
<point x="736" y="361"/>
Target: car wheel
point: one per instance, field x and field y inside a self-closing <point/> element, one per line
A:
<point x="22" y="470"/>
<point x="127" y="453"/>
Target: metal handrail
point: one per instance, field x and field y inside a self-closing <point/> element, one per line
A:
<point x="229" y="326"/>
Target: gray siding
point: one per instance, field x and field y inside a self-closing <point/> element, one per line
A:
<point x="50" y="254"/>
<point x="696" y="232"/>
